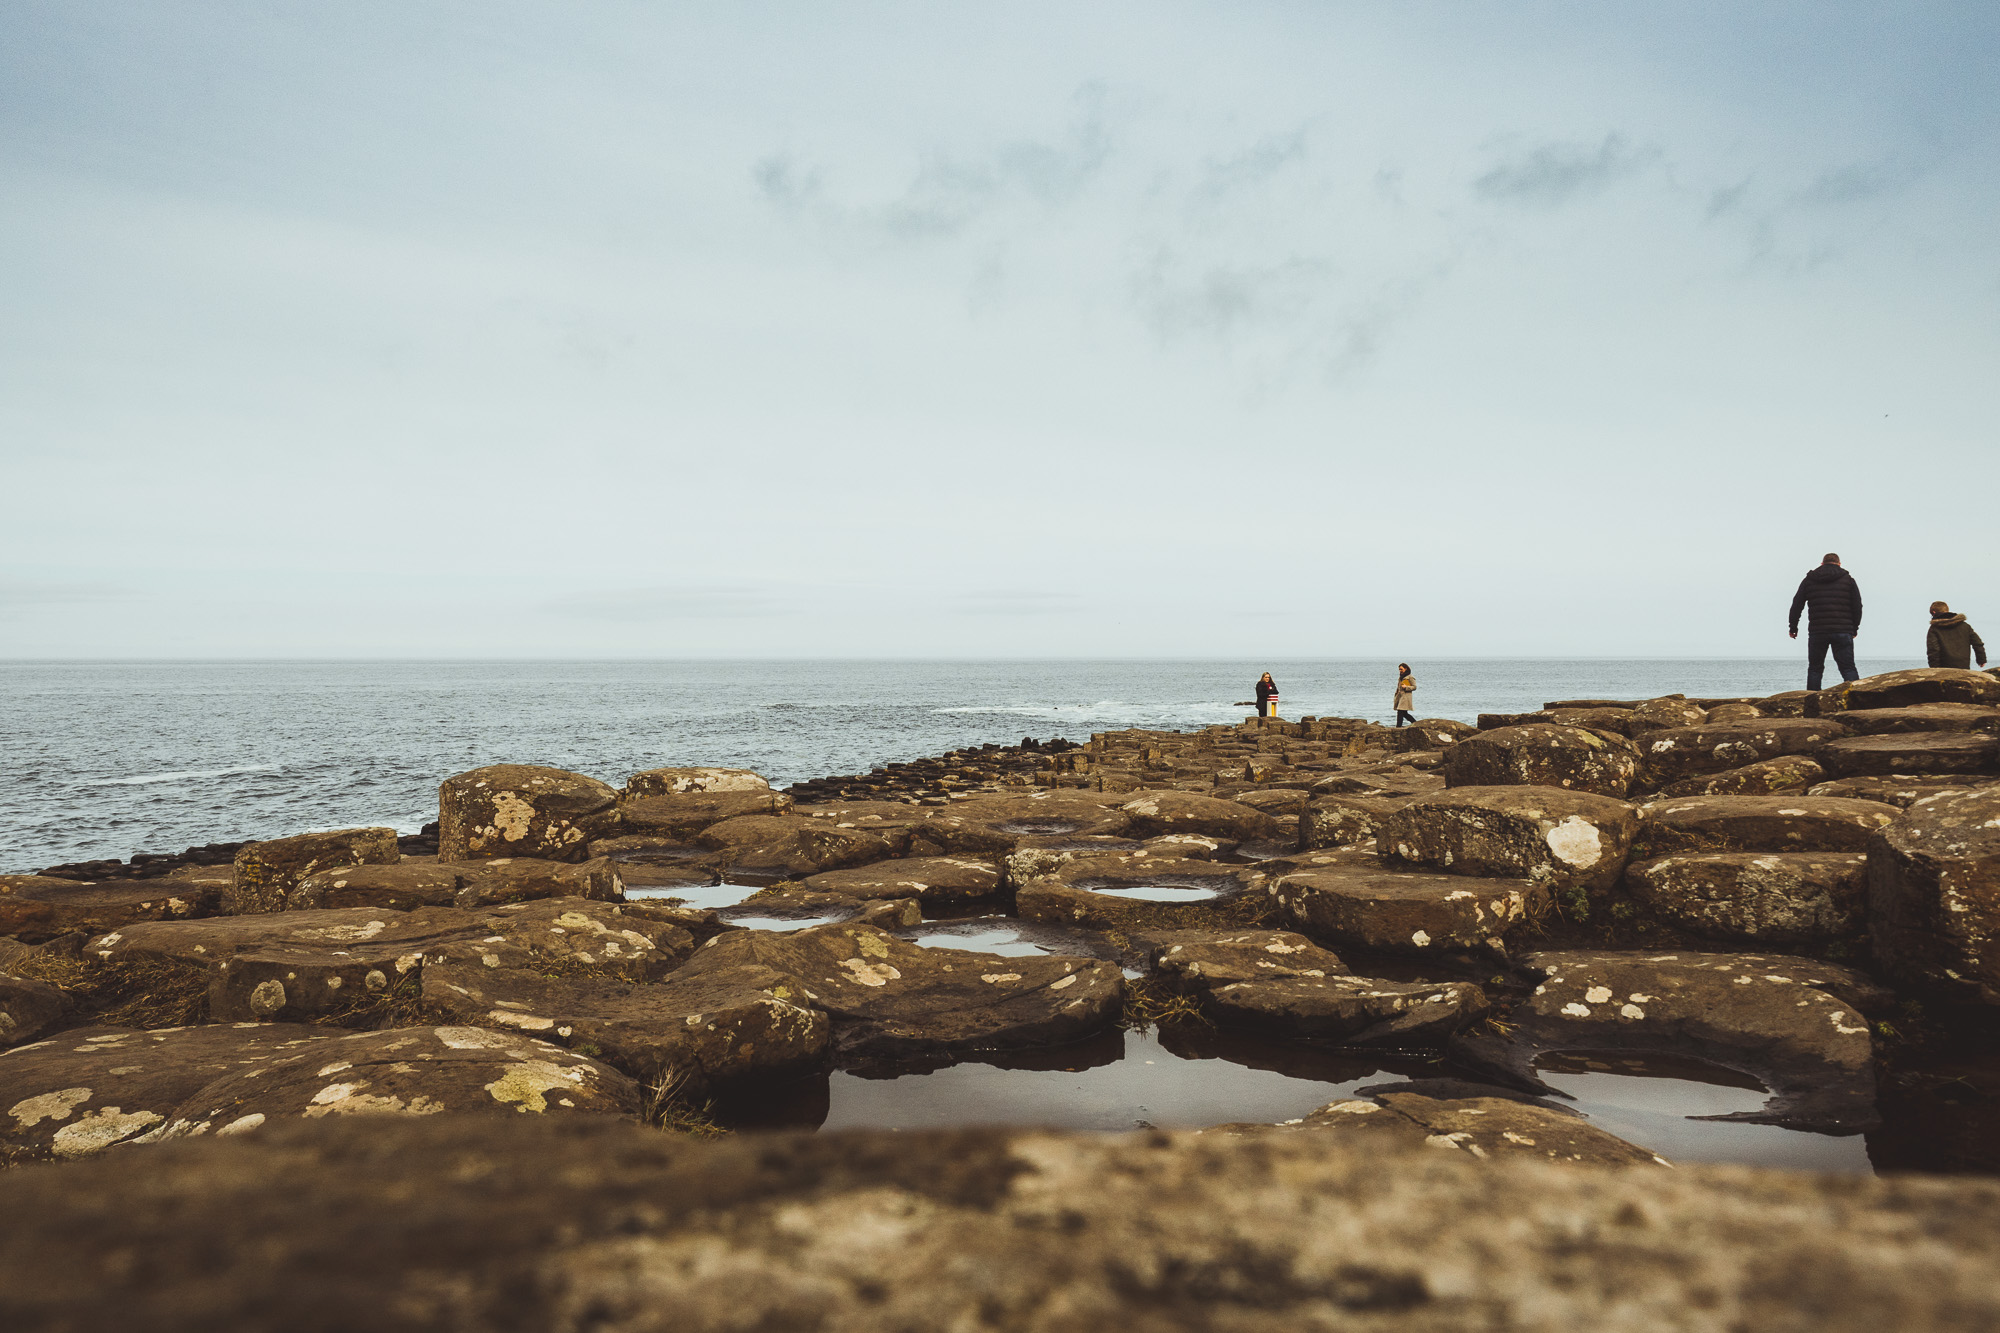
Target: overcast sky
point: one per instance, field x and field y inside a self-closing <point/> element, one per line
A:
<point x="1257" y="330"/>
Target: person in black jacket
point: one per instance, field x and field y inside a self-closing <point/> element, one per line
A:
<point x="1834" y="599"/>
<point x="1267" y="696"/>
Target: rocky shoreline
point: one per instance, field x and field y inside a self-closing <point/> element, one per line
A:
<point x="1803" y="889"/>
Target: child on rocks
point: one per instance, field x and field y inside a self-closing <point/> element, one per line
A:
<point x="1951" y="642"/>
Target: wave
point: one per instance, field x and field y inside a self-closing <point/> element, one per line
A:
<point x="180" y="776"/>
<point x="1106" y="710"/>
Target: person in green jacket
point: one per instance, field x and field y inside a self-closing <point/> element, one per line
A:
<point x="1952" y="642"/>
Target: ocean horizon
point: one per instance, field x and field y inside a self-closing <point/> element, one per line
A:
<point x="119" y="756"/>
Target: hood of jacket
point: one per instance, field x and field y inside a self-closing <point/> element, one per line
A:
<point x="1939" y="622"/>
<point x="1825" y="573"/>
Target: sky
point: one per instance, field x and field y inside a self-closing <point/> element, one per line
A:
<point x="1253" y="330"/>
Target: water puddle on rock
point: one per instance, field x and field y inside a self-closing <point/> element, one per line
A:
<point x="702" y="897"/>
<point x="753" y="921"/>
<point x="1010" y="937"/>
<point x="1648" y="1099"/>
<point x="1166" y="893"/>
<point x="1177" y="1079"/>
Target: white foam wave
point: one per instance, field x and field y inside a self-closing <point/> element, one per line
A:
<point x="1104" y="710"/>
<point x="180" y="776"/>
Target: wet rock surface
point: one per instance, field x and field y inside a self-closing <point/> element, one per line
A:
<point x="1796" y="1025"/>
<point x="1483" y="1122"/>
<point x="928" y="878"/>
<point x="537" y="1222"/>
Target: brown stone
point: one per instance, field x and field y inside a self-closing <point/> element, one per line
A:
<point x="1761" y="898"/>
<point x="1565" y="839"/>
<point x="684" y="815"/>
<point x="1757" y="824"/>
<point x="266" y="872"/>
<point x="1670" y="713"/>
<point x="791" y="846"/>
<point x="402" y="1224"/>
<point x="1154" y="813"/>
<point x="1903" y="790"/>
<point x="930" y="878"/>
<point x="402" y="887"/>
<point x="1767" y="777"/>
<point x="1934" y="895"/>
<point x="1921" y="717"/>
<point x="509" y="810"/>
<point x="681" y="781"/>
<point x="517" y="879"/>
<point x="1389" y="908"/>
<point x="36" y="908"/>
<point x="1345" y="821"/>
<point x="1794" y="1024"/>
<point x="1905" y="689"/>
<point x="27" y="1008"/>
<point x="1671" y="755"/>
<point x="1543" y="755"/>
<point x="1895" y="753"/>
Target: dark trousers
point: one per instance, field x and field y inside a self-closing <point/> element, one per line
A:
<point x="1404" y="715"/>
<point x="1843" y="657"/>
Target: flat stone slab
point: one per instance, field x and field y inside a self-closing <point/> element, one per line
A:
<point x="681" y="781"/>
<point x="28" y="1008"/>
<point x="1339" y="820"/>
<point x="1543" y="755"/>
<point x="1766" y="777"/>
<point x="889" y="997"/>
<point x="1904" y="790"/>
<point x="38" y="908"/>
<point x="415" y="1071"/>
<point x="1765" y="898"/>
<point x="1283" y="982"/>
<point x="927" y="878"/>
<point x="518" y="879"/>
<point x="1921" y="718"/>
<point x="1680" y="752"/>
<point x="604" y="937"/>
<point x="1394" y="908"/>
<point x="1566" y="839"/>
<point x="1155" y="813"/>
<point x="1894" y="753"/>
<point x="795" y="846"/>
<point x="1757" y="824"/>
<point x="1795" y="1025"/>
<point x="1934" y="895"/>
<point x="525" y="1223"/>
<point x="396" y="888"/>
<point x="684" y="814"/>
<point x="699" y="1028"/>
<point x="1905" y="689"/>
<point x="1490" y="1124"/>
<point x="1097" y="892"/>
<point x="84" y="1090"/>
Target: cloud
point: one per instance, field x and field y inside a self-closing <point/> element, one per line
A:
<point x="1855" y="183"/>
<point x="1253" y="166"/>
<point x="1557" y="173"/>
<point x="713" y="602"/>
<point x="952" y="191"/>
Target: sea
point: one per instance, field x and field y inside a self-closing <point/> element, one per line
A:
<point x="113" y="758"/>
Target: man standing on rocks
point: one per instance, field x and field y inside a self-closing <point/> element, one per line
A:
<point x="1835" y="601"/>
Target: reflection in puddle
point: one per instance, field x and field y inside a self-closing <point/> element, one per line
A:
<point x="1122" y="1081"/>
<point x="1011" y="937"/>
<point x="1164" y="893"/>
<point x="780" y="923"/>
<point x="1648" y="1099"/>
<point x="704" y="897"/>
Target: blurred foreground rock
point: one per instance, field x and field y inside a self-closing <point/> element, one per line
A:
<point x="525" y="1222"/>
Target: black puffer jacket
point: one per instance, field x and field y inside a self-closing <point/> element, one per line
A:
<point x="1835" y="599"/>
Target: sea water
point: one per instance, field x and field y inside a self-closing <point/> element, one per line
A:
<point x="112" y="758"/>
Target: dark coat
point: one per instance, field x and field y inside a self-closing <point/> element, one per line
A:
<point x="1265" y="689"/>
<point x="1952" y="642"/>
<point x="1835" y="600"/>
